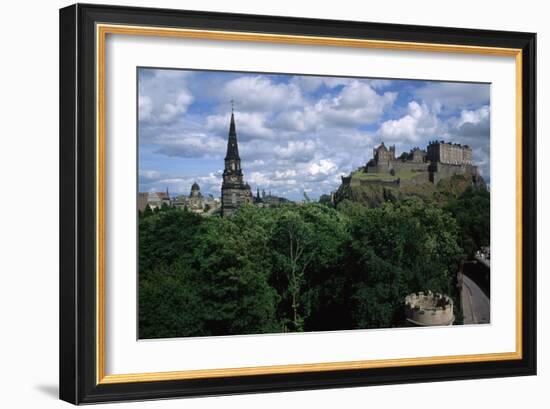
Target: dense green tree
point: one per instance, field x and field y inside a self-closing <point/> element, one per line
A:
<point x="325" y="200"/>
<point x="166" y="237"/>
<point x="397" y="249"/>
<point x="170" y="304"/>
<point x="405" y="156"/>
<point x="306" y="242"/>
<point x="146" y="212"/>
<point x="210" y="278"/>
<point x="292" y="267"/>
<point x="233" y="279"/>
<point x="472" y="211"/>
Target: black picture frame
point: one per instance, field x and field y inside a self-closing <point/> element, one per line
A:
<point x="78" y="297"/>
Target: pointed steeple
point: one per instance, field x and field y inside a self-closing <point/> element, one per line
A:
<point x="232" y="147"/>
<point x="235" y="191"/>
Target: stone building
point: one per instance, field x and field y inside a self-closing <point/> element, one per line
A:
<point x="384" y="160"/>
<point x="153" y="199"/>
<point x="142" y="200"/>
<point x="429" y="309"/>
<point x="449" y="153"/>
<point x="196" y="203"/>
<point x="383" y="155"/>
<point x="418" y="155"/>
<point x="235" y="191"/>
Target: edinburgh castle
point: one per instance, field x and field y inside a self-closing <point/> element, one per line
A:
<point x="440" y="160"/>
<point x="441" y="167"/>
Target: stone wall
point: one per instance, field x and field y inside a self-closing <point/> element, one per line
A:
<point x="429" y="309"/>
<point x="418" y="179"/>
<point x="397" y="165"/>
<point x="379" y="182"/>
<point x="440" y="171"/>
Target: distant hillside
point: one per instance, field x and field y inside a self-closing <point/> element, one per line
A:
<point x="372" y="189"/>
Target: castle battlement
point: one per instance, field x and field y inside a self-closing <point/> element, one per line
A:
<point x="428" y="309"/>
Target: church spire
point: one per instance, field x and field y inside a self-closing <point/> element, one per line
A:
<point x="232" y="147"/>
<point x="235" y="191"/>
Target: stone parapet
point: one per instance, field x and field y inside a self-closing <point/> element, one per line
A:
<point x="429" y="309"/>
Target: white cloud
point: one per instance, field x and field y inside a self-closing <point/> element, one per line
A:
<point x="358" y="103"/>
<point x="324" y="166"/>
<point x="285" y="174"/>
<point x="379" y="83"/>
<point x="172" y="109"/>
<point x="474" y="117"/>
<point x="163" y="96"/>
<point x="250" y="125"/>
<point x="191" y="145"/>
<point x="313" y="83"/>
<point x="259" y="179"/>
<point x="454" y="95"/>
<point x="145" y="106"/>
<point x="258" y="93"/>
<point x="417" y="124"/>
<point x="300" y="151"/>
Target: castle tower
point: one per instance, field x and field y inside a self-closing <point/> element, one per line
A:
<point x="235" y="192"/>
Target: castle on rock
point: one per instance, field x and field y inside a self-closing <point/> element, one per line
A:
<point x="440" y="160"/>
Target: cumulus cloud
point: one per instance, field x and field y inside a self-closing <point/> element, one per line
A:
<point x="194" y="145"/>
<point x="300" y="151"/>
<point x="250" y="125"/>
<point x="474" y="117"/>
<point x="454" y="95"/>
<point x="163" y="95"/>
<point x="473" y="128"/>
<point x="312" y="83"/>
<point x="357" y="103"/>
<point x="418" y="123"/>
<point x="259" y="93"/>
<point x="145" y="107"/>
<point x="324" y="166"/>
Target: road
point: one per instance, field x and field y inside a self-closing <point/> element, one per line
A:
<point x="475" y="304"/>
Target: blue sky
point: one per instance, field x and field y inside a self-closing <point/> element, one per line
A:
<point x="296" y="133"/>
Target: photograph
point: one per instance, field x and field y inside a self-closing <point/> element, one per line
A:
<point x="271" y="203"/>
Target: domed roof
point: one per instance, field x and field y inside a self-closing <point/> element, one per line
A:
<point x="195" y="186"/>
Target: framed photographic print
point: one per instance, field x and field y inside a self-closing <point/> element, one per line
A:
<point x="257" y="203"/>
